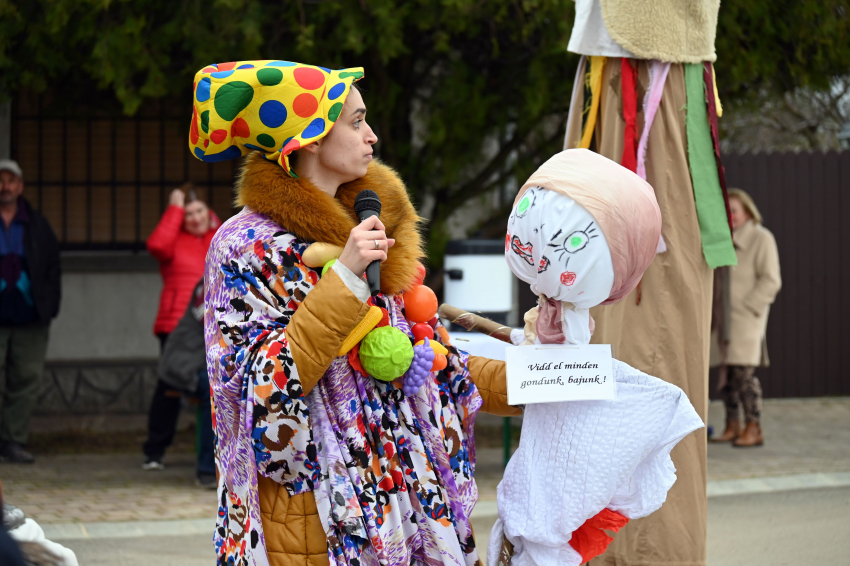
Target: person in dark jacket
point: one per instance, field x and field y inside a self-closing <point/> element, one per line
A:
<point x="183" y="367"/>
<point x="30" y="290"/>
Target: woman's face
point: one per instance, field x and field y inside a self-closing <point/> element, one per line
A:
<point x="739" y="212"/>
<point x="196" y="218"/>
<point x="347" y="150"/>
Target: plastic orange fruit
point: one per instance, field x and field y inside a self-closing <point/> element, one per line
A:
<point x="436" y="346"/>
<point x="420" y="304"/>
<point x="440" y="362"/>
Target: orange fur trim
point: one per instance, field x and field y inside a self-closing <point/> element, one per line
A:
<point x="312" y="215"/>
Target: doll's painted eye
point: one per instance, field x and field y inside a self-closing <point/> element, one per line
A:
<point x="523" y="205"/>
<point x="526" y="204"/>
<point x="576" y="241"/>
<point x="573" y="243"/>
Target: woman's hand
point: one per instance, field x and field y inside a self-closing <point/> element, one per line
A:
<point x="177" y="198"/>
<point x="361" y="250"/>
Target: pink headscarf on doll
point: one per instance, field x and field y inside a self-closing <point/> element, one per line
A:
<point x="622" y="203"/>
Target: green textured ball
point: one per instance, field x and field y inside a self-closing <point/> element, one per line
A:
<point x="327" y="266"/>
<point x="386" y="353"/>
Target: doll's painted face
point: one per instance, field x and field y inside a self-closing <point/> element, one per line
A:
<point x="555" y="245"/>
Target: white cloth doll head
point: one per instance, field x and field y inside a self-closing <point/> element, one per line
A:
<point x="556" y="246"/>
<point x="582" y="232"/>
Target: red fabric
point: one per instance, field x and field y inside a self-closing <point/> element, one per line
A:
<point x="630" y="136"/>
<point x="715" y="139"/>
<point x="354" y="360"/>
<point x="181" y="258"/>
<point x="590" y="540"/>
<point x="385" y="319"/>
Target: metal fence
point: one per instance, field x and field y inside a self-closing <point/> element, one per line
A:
<point x="103" y="179"/>
<point x="805" y="201"/>
<point x="103" y="182"/>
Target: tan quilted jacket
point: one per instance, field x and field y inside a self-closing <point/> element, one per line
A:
<point x="294" y="534"/>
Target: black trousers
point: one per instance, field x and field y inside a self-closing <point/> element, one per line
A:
<point x="162" y="421"/>
<point x="162" y="417"/>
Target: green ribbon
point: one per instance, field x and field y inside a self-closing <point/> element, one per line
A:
<point x="711" y="209"/>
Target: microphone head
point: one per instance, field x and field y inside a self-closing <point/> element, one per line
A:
<point x="367" y="200"/>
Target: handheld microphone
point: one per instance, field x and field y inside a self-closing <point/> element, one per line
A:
<point x="366" y="204"/>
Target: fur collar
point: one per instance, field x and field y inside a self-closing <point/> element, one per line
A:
<point x="312" y="215"/>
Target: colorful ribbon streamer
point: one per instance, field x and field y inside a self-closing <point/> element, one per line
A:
<point x="710" y="204"/>
<point x="716" y="93"/>
<point x="712" y="99"/>
<point x="597" y="64"/>
<point x="628" y="85"/>
<point x="657" y="77"/>
<point x="568" y="143"/>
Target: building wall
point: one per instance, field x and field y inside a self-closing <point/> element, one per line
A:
<point x="102" y="353"/>
<point x="106" y="316"/>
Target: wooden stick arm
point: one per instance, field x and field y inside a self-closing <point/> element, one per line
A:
<point x="475" y="322"/>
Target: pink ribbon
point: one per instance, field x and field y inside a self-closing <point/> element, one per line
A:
<point x="657" y="77"/>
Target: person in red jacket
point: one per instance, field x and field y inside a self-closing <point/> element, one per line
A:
<point x="180" y="242"/>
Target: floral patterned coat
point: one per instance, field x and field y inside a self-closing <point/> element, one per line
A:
<point x="392" y="476"/>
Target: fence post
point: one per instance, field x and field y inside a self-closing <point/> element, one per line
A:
<point x="5" y="129"/>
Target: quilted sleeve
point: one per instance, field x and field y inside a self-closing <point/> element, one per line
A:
<point x="491" y="379"/>
<point x="320" y="325"/>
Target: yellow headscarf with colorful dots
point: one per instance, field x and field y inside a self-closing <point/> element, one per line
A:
<point x="275" y="107"/>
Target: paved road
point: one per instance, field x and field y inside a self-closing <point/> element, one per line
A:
<point x="792" y="528"/>
<point x="163" y="551"/>
<point x="103" y="494"/>
<point x="803" y="436"/>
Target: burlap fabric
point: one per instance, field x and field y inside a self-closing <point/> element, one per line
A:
<point x="667" y="334"/>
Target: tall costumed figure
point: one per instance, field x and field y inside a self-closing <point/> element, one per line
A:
<point x="645" y="96"/>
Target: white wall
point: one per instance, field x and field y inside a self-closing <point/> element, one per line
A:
<point x="106" y="316"/>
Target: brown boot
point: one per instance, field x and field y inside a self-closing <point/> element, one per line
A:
<point x="733" y="429"/>
<point x="751" y="436"/>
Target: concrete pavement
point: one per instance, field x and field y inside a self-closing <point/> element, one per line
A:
<point x="105" y="501"/>
<point x="802" y="436"/>
<point x="788" y="528"/>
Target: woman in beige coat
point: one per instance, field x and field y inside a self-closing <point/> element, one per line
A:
<point x="753" y="285"/>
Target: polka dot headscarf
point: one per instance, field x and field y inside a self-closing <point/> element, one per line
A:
<point x="274" y="107"/>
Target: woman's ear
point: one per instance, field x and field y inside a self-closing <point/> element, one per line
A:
<point x="312" y="147"/>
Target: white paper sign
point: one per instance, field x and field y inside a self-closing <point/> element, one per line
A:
<point x="553" y="373"/>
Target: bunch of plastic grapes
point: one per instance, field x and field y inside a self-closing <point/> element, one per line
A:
<point x="420" y="368"/>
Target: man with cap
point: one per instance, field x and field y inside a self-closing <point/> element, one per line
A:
<point x="30" y="289"/>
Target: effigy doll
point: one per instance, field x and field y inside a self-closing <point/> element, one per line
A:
<point x="582" y="231"/>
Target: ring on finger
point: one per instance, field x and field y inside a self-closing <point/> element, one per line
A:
<point x="377" y="245"/>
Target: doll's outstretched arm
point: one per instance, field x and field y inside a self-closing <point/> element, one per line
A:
<point x="490" y="377"/>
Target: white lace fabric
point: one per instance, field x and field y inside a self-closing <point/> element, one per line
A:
<point x="577" y="458"/>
